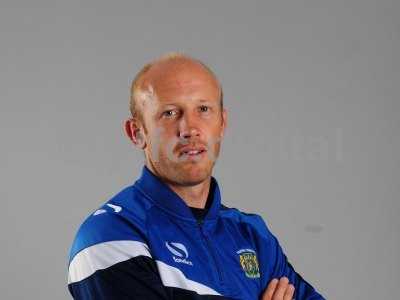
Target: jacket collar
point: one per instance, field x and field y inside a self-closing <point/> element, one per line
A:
<point x="162" y="195"/>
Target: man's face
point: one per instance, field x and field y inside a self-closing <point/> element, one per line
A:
<point x="184" y="122"/>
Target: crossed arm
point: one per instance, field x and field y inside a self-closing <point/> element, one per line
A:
<point x="279" y="290"/>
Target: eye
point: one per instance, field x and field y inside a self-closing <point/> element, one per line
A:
<point x="169" y="113"/>
<point x="204" y="108"/>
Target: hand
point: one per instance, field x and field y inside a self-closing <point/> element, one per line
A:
<point x="279" y="290"/>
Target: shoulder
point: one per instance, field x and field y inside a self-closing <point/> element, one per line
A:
<point x="123" y="217"/>
<point x="253" y="221"/>
<point x="113" y="233"/>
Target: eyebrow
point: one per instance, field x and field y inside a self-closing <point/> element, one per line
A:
<point x="175" y="103"/>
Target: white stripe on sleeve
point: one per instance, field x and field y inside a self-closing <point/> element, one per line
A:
<point x="102" y="256"/>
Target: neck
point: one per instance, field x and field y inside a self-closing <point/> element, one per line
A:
<point x="194" y="196"/>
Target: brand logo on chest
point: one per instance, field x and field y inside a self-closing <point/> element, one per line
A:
<point x="179" y="253"/>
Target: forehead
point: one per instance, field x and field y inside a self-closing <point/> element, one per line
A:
<point x="180" y="77"/>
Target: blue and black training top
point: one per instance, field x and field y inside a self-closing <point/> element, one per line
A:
<point x="146" y="243"/>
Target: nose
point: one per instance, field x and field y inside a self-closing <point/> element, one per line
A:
<point x="188" y="128"/>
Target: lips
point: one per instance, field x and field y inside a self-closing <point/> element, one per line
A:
<point x="192" y="150"/>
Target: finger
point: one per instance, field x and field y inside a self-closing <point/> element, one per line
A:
<point x="269" y="292"/>
<point x="281" y="288"/>
<point x="289" y="292"/>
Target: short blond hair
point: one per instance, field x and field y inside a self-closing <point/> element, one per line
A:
<point x="136" y="86"/>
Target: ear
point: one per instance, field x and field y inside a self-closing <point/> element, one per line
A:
<point x="224" y="122"/>
<point x="134" y="131"/>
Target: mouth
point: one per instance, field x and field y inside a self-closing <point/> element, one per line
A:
<point x="192" y="152"/>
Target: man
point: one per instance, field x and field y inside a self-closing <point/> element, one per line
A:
<point x="168" y="236"/>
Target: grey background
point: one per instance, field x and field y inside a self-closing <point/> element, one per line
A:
<point x="312" y="90"/>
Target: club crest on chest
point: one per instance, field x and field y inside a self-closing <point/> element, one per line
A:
<point x="249" y="263"/>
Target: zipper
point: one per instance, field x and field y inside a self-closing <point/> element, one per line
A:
<point x="200" y="223"/>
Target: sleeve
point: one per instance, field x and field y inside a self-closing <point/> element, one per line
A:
<point x="110" y="259"/>
<point x="135" y="277"/>
<point x="274" y="264"/>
